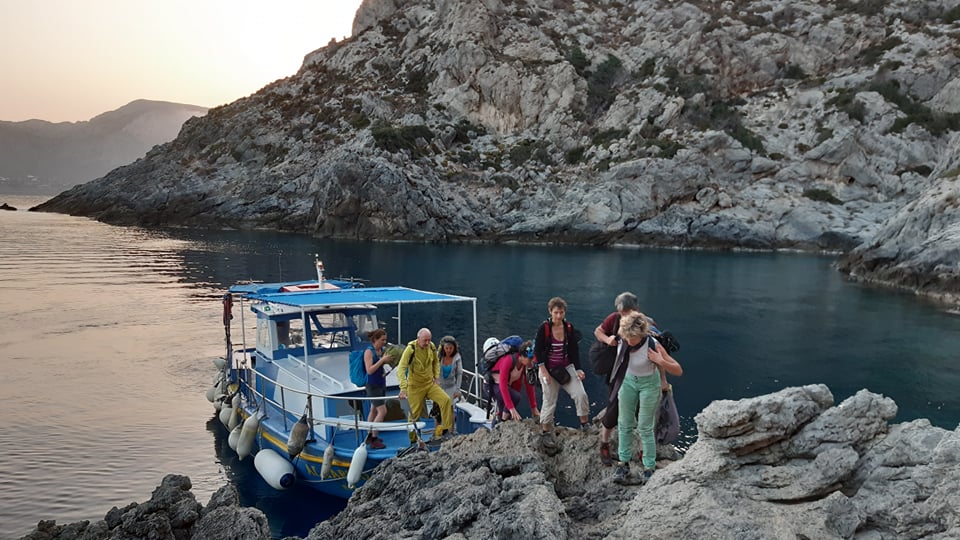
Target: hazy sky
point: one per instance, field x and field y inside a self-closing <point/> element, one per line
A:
<point x="69" y="60"/>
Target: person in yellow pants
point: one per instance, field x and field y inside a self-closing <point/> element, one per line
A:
<point x="419" y="375"/>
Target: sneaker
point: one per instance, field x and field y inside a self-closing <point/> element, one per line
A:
<point x="376" y="443"/>
<point x="647" y="473"/>
<point x="605" y="458"/>
<point x="621" y="475"/>
<point x="588" y="428"/>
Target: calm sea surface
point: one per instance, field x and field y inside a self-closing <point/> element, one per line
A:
<point x="107" y="333"/>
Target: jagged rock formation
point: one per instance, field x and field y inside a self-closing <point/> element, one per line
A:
<point x="784" y="465"/>
<point x="43" y="158"/>
<point x="171" y="513"/>
<point x="764" y="124"/>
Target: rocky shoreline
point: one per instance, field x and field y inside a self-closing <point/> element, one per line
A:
<point x="791" y="464"/>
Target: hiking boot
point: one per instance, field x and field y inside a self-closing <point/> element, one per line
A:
<point x="548" y="441"/>
<point x="647" y="473"/>
<point x="621" y="475"/>
<point x="605" y="458"/>
<point x="376" y="443"/>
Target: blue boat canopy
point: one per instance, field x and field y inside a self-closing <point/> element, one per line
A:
<point x="264" y="288"/>
<point x="347" y="297"/>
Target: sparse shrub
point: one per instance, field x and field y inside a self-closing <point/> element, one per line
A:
<point x="846" y="101"/>
<point x="527" y="149"/>
<point x="418" y="81"/>
<point x="574" y="155"/>
<point x="468" y="157"/>
<point x="578" y="60"/>
<point x="793" y="71"/>
<point x="776" y="156"/>
<point x="462" y="131"/>
<point x="861" y="7"/>
<point x="686" y="86"/>
<point x="358" y="120"/>
<point x="601" y="85"/>
<point x="951" y="16"/>
<point x="821" y="195"/>
<point x="648" y="68"/>
<point x="871" y="55"/>
<point x="668" y="148"/>
<point x="394" y="139"/>
<point x="916" y="112"/>
<point x="506" y="180"/>
<point x="608" y="136"/>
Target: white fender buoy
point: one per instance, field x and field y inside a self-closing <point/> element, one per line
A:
<point x="223" y="386"/>
<point x="248" y="435"/>
<point x="298" y="437"/>
<point x="225" y="412"/>
<point x="235" y="403"/>
<point x="211" y="393"/>
<point x="234" y="421"/>
<point x="234" y="438"/>
<point x="356" y="466"/>
<point x="274" y="469"/>
<point x="327" y="461"/>
<point x="220" y="362"/>
<point x="218" y="402"/>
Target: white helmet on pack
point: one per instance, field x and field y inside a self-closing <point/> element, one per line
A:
<point x="490" y="343"/>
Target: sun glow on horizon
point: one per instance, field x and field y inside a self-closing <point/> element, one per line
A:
<point x="65" y="60"/>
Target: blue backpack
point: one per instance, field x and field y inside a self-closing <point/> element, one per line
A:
<point x="358" y="371"/>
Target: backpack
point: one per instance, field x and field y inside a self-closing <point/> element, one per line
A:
<point x="358" y="370"/>
<point x="666" y="338"/>
<point x="509" y="345"/>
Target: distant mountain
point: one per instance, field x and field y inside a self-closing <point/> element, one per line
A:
<point x="44" y="158"/>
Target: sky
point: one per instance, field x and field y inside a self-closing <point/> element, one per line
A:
<point x="70" y="60"/>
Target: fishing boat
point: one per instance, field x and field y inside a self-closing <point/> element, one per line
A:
<point x="287" y="398"/>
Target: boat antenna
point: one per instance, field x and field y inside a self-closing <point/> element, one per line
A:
<point x="319" y="270"/>
<point x="280" y="262"/>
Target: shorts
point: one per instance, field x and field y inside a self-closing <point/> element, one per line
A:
<point x="377" y="391"/>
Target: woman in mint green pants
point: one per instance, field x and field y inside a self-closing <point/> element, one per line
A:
<point x="638" y="366"/>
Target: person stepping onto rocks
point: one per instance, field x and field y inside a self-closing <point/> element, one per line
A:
<point x="637" y="367"/>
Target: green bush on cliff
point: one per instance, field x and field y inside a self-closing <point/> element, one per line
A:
<point x="394" y="139"/>
<point x="821" y="195"/>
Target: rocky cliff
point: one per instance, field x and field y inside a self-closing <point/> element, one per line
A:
<point x="761" y="124"/>
<point x="786" y="465"/>
<point x="44" y="158"/>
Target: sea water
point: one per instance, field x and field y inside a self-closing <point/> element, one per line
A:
<point x="107" y="335"/>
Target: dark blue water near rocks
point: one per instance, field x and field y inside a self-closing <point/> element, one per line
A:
<point x="108" y="332"/>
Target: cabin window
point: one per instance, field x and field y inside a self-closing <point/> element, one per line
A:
<point x="330" y="331"/>
<point x="273" y="335"/>
<point x="364" y="323"/>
